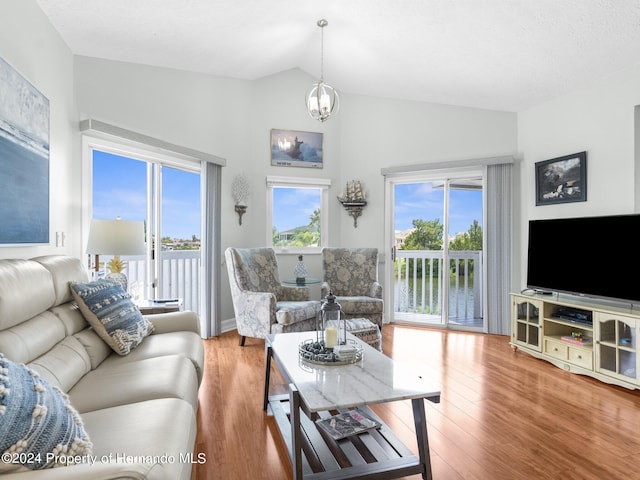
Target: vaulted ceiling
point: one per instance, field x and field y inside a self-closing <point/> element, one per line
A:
<point x="497" y="54"/>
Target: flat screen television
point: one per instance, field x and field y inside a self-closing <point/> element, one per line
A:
<point x="586" y="256"/>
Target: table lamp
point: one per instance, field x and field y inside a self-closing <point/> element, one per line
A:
<point x="115" y="237"/>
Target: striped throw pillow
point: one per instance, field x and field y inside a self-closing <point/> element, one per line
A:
<point x="112" y="314"/>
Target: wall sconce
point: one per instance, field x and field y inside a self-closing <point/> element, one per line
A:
<point x="240" y="194"/>
<point x="353" y="200"/>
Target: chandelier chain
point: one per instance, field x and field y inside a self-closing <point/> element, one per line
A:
<point x="322" y="52"/>
<point x="322" y="100"/>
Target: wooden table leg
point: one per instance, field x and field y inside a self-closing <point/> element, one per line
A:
<point x="296" y="439"/>
<point x="420" y="419"/>
<point x="268" y="350"/>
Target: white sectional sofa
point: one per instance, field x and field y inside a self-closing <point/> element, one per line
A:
<point x="138" y="410"/>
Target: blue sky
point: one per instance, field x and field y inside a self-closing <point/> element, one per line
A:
<point x="413" y="201"/>
<point x="421" y="201"/>
<point x="293" y="207"/>
<point x="119" y="189"/>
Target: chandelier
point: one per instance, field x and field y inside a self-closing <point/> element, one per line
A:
<point x="322" y="99"/>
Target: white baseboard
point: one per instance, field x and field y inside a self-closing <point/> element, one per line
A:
<point x="228" y="325"/>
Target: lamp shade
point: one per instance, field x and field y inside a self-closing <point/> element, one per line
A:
<point x="116" y="237"/>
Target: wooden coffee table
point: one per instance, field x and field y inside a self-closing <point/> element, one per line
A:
<point x="318" y="391"/>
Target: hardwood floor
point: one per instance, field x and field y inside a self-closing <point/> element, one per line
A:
<point x="503" y="414"/>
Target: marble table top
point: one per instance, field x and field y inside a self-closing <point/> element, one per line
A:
<point x="374" y="379"/>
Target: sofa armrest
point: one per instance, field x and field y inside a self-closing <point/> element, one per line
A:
<point x="255" y="312"/>
<point x="376" y="290"/>
<point x="185" y="321"/>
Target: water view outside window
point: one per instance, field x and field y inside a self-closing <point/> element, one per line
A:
<point x="296" y="217"/>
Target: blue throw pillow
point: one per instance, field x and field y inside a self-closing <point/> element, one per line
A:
<point x="38" y="427"/>
<point x="112" y="314"/>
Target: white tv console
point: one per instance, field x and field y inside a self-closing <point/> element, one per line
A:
<point x="606" y="349"/>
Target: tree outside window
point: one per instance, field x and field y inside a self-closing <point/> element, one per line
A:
<point x="297" y="214"/>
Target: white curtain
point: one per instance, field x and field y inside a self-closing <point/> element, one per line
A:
<point x="498" y="268"/>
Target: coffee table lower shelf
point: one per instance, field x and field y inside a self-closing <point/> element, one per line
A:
<point x="315" y="455"/>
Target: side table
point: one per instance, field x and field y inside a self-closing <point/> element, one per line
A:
<point x="307" y="281"/>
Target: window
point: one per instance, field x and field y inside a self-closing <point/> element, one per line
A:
<point x="173" y="175"/>
<point x="167" y="199"/>
<point x="297" y="218"/>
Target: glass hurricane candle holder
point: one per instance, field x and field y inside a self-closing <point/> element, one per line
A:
<point x="331" y="325"/>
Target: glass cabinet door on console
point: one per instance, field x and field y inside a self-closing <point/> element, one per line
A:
<point x="526" y="325"/>
<point x="616" y="343"/>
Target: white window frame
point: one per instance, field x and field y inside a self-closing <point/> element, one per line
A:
<point x="154" y="161"/>
<point x="296" y="182"/>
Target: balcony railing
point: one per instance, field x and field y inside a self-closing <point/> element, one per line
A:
<point x="418" y="280"/>
<point x="180" y="277"/>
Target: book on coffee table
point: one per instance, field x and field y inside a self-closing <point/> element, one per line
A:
<point x="346" y="424"/>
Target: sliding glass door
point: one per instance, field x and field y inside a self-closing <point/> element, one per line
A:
<point x="167" y="199"/>
<point x="436" y="237"/>
<point x="465" y="246"/>
<point x="177" y="261"/>
<point x="418" y="252"/>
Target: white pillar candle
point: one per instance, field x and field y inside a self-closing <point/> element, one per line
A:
<point x="313" y="104"/>
<point x="330" y="337"/>
<point x="325" y="103"/>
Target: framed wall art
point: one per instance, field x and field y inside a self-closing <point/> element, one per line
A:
<point x="24" y="161"/>
<point x="292" y="148"/>
<point x="562" y="179"/>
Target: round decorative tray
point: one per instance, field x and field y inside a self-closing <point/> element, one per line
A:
<point x="315" y="352"/>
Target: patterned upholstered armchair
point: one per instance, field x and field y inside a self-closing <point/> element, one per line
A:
<point x="352" y="275"/>
<point x="261" y="304"/>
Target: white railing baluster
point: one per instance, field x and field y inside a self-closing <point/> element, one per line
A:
<point x="423" y="293"/>
<point x="431" y="285"/>
<point x="415" y="282"/>
<point x="465" y="291"/>
<point x="180" y="279"/>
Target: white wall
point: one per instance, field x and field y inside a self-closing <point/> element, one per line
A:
<point x="600" y="119"/>
<point x="379" y="133"/>
<point x="233" y="119"/>
<point x="228" y="118"/>
<point x="29" y="44"/>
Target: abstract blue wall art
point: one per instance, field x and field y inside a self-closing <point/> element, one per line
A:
<point x="24" y="161"/>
